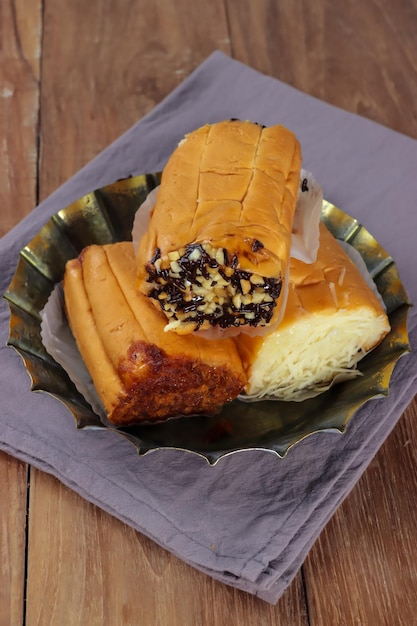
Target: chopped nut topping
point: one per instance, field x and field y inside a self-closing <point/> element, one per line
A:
<point x="206" y="287"/>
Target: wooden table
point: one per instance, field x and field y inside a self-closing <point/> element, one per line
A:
<point x="73" y="77"/>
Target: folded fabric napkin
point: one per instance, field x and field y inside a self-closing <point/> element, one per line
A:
<point x="249" y="520"/>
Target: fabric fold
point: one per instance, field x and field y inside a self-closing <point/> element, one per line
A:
<point x="250" y="520"/>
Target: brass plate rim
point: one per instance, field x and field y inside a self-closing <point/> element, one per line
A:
<point x="108" y="214"/>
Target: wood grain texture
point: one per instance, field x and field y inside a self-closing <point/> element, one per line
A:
<point x="20" y="36"/>
<point x="362" y="569"/>
<point x="13" y="477"/>
<point x="103" y="72"/>
<point x="86" y="567"/>
<point x="361" y="56"/>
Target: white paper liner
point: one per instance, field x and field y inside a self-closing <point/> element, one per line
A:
<point x="142" y="217"/>
<point x="59" y="342"/>
<point x="305" y="237"/>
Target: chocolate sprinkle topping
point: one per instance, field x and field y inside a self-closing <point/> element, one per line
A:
<point x="257" y="245"/>
<point x="206" y="287"/>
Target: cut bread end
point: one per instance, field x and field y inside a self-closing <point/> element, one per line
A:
<point x="305" y="358"/>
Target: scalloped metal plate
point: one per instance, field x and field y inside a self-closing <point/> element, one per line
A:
<point x="106" y="215"/>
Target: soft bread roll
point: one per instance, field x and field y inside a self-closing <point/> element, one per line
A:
<point x="139" y="371"/>
<point x="332" y="319"/>
<point x="216" y="250"/>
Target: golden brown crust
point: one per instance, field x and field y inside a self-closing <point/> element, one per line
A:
<point x="332" y="319"/>
<point x="230" y="187"/>
<point x="140" y="372"/>
<point x="330" y="284"/>
<point x="80" y="316"/>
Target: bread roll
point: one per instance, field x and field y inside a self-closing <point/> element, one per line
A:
<point x="139" y="371"/>
<point x="216" y="251"/>
<point x="332" y="319"/>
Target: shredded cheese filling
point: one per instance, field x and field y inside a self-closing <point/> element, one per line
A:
<point x="301" y="359"/>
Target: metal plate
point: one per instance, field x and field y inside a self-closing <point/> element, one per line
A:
<point x="106" y="216"/>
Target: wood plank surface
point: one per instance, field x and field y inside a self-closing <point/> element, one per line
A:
<point x="20" y="37"/>
<point x="108" y="72"/>
<point x="73" y="77"/>
<point x="360" y="56"/>
<point x="13" y="477"/>
<point x="20" y="44"/>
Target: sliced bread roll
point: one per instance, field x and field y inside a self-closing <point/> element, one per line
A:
<point x="332" y="319"/>
<point x="139" y="371"/>
<point x="216" y="250"/>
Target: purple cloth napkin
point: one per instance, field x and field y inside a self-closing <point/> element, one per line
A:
<point x="251" y="519"/>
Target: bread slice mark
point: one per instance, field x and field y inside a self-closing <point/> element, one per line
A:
<point x="87" y="336"/>
<point x="192" y="227"/>
<point x="117" y="276"/>
<point x="253" y="167"/>
<point x="117" y="326"/>
<point x="122" y="261"/>
<point x="149" y="374"/>
<point x="247" y="233"/>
